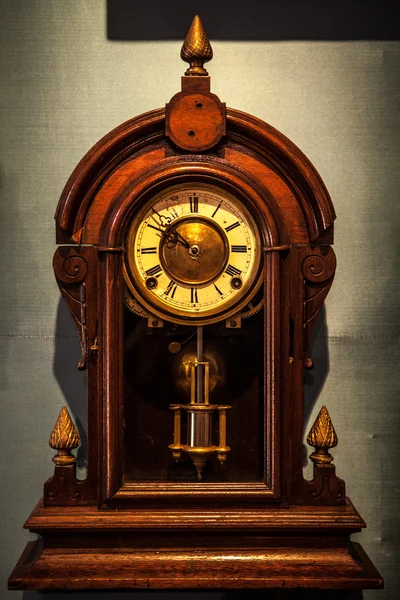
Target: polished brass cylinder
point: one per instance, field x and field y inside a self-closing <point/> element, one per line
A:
<point x="199" y="429"/>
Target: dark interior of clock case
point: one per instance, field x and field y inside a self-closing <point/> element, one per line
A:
<point x="154" y="378"/>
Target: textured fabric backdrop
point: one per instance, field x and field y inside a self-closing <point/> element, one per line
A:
<point x="64" y="85"/>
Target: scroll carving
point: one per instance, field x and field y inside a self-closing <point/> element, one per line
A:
<point x="71" y="270"/>
<point x="318" y="272"/>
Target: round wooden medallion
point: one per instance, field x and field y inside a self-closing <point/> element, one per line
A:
<point x="195" y="122"/>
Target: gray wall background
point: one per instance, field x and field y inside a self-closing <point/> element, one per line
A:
<point x="64" y="85"/>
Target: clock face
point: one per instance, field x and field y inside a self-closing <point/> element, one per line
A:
<point x="193" y="254"/>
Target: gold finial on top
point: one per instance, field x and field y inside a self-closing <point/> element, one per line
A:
<point x="196" y="49"/>
<point x="64" y="438"/>
<point x="322" y="436"/>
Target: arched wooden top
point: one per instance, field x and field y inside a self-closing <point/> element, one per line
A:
<point x="292" y="163"/>
<point x="134" y="137"/>
<point x="95" y="166"/>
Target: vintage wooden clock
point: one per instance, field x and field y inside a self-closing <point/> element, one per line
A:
<point x="194" y="255"/>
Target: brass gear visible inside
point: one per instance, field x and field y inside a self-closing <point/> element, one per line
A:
<point x="253" y="307"/>
<point x="133" y="305"/>
<point x="249" y="310"/>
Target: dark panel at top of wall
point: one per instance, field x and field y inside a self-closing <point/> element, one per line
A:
<point x="255" y="19"/>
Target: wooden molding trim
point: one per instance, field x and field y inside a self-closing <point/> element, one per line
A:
<point x="138" y="133"/>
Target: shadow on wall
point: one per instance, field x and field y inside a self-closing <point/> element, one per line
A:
<point x="315" y="378"/>
<point x="72" y="382"/>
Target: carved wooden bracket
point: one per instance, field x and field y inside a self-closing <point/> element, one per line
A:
<point x="64" y="489"/>
<point x="75" y="268"/>
<point x="318" y="271"/>
<point x="71" y="269"/>
<point x="325" y="489"/>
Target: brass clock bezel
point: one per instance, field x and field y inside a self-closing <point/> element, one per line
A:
<point x="173" y="314"/>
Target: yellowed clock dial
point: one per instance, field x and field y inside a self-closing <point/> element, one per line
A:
<point x="193" y="254"/>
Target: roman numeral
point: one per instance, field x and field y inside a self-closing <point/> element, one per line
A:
<point x="215" y="211"/>
<point x="232" y="271"/>
<point x="171" y="289"/>
<point x="218" y="290"/>
<point x="194" y="204"/>
<point x="233" y="226"/>
<point x="149" y="250"/>
<point x="193" y="295"/>
<point x="239" y="248"/>
<point x="157" y="270"/>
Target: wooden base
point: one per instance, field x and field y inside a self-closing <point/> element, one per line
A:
<point x="258" y="568"/>
<point x="107" y="553"/>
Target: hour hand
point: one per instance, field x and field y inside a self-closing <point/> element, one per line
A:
<point x="171" y="235"/>
<point x="174" y="237"/>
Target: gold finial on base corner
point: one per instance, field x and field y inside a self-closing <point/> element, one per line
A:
<point x="323" y="437"/>
<point x="64" y="438"/>
<point x="196" y="49"/>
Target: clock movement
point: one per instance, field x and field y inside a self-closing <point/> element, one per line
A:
<point x="195" y="253"/>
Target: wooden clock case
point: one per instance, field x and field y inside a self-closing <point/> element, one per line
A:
<point x="281" y="531"/>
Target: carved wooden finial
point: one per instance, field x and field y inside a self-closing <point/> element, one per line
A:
<point x="196" y="49"/>
<point x="322" y="436"/>
<point x="64" y="438"/>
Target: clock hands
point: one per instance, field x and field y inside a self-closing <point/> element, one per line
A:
<point x="176" y="236"/>
<point x="171" y="234"/>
